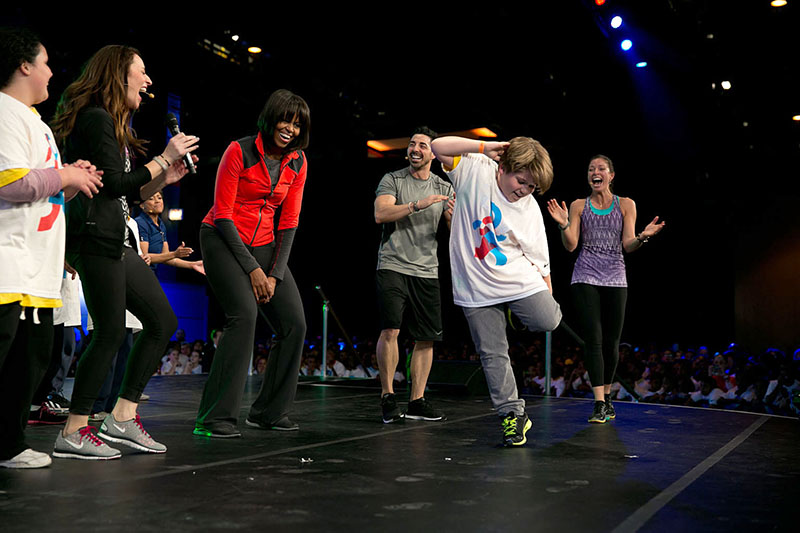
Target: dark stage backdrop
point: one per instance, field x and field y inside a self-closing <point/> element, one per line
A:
<point x="702" y="160"/>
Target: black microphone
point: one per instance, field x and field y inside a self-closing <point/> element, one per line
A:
<point x="174" y="129"/>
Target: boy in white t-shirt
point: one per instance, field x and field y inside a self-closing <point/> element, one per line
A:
<point x="498" y="255"/>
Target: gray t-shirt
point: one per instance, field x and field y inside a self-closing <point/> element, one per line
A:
<point x="408" y="245"/>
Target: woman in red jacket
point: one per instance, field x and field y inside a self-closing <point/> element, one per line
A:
<point x="245" y="258"/>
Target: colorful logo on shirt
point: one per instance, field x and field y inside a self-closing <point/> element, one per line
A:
<point x="57" y="201"/>
<point x="489" y="240"/>
<point x="47" y="221"/>
<point x="52" y="151"/>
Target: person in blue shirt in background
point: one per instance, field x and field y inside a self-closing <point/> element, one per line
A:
<point x="153" y="238"/>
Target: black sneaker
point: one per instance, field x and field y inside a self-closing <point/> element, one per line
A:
<point x="57" y="403"/>
<point x="46" y="416"/>
<point x="217" y="430"/>
<point x="611" y="413"/>
<point x="421" y="409"/>
<point x="284" y="424"/>
<point x="599" y="415"/>
<point x="514" y="429"/>
<point x="391" y="413"/>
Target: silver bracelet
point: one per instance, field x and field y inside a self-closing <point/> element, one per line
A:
<point x="158" y="159"/>
<point x="569" y="222"/>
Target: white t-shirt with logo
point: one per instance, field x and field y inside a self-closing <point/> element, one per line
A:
<point x="32" y="234"/>
<point x="498" y="249"/>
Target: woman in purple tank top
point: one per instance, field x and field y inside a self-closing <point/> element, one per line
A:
<point x="603" y="225"/>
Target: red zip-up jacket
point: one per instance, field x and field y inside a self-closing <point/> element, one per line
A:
<point x="243" y="191"/>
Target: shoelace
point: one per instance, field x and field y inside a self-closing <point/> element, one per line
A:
<point x="88" y="432"/>
<point x="510" y="426"/>
<point x="138" y="422"/>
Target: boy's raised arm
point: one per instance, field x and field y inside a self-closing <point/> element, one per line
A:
<point x="447" y="149"/>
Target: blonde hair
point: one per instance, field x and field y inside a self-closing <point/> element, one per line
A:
<point x="102" y="83"/>
<point x="524" y="153"/>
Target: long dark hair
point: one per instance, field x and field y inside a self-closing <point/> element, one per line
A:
<point x="103" y="83"/>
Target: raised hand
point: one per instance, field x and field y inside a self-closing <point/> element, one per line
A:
<point x="560" y="213"/>
<point x="652" y="228"/>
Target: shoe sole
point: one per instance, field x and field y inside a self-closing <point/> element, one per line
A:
<point x="393" y="419"/>
<point x="45" y="423"/>
<point x="64" y="455"/>
<point x="26" y="466"/>
<point x="528" y="425"/>
<point x="130" y="443"/>
<point x="592" y="421"/>
<point x="269" y="428"/>
<point x="427" y="418"/>
<point x="207" y="433"/>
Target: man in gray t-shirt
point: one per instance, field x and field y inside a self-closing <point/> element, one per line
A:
<point x="410" y="203"/>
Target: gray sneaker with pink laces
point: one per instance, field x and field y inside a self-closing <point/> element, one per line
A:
<point x="130" y="433"/>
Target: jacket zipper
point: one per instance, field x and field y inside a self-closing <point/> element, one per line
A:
<point x="271" y="192"/>
<point x="260" y="213"/>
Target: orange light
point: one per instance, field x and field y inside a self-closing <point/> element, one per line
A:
<point x="778" y="3"/>
<point x="599" y="2"/>
<point x="796" y="118"/>
<point x="379" y="146"/>
<point x="254" y="50"/>
<point x="484" y="132"/>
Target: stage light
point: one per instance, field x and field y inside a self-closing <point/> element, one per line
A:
<point x="254" y="50"/>
<point x="379" y="146"/>
<point x="778" y="3"/>
<point x="234" y="38"/>
<point x="616" y="22"/>
<point x="641" y="64"/>
<point x="796" y="118"/>
<point x="626" y="44"/>
<point x="175" y="214"/>
<point x="483" y="132"/>
<point x="726" y="85"/>
<point x="599" y="2"/>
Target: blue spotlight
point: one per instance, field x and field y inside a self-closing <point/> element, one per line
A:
<point x="626" y="44"/>
<point x="641" y="64"/>
<point x="616" y="22"/>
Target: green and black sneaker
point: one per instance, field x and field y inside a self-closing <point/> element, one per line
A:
<point x="611" y="413"/>
<point x="599" y="415"/>
<point x="514" y="429"/>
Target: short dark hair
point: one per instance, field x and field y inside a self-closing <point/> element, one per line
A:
<point x="425" y="130"/>
<point x="284" y="105"/>
<point x="17" y="46"/>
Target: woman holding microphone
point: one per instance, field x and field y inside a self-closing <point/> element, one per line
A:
<point x="93" y="121"/>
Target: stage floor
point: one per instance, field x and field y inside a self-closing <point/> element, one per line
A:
<point x="654" y="468"/>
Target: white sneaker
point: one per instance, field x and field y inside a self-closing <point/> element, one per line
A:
<point x="28" y="459"/>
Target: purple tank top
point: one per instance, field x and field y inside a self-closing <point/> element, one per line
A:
<point x="600" y="260"/>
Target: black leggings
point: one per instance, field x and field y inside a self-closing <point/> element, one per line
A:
<point x="601" y="311"/>
<point x="110" y="286"/>
<point x="222" y="396"/>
